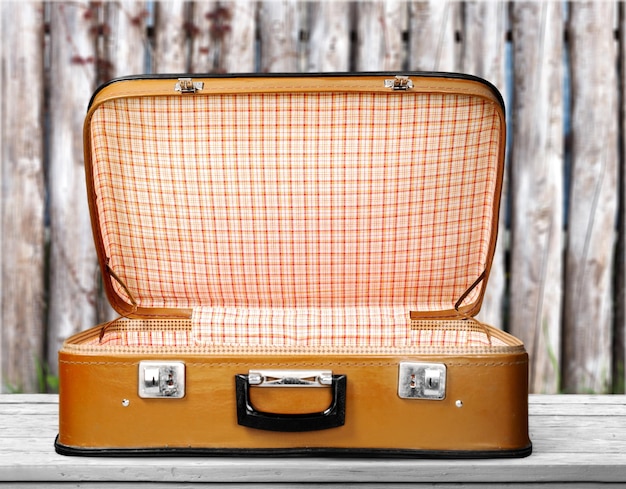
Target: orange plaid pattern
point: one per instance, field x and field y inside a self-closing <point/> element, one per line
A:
<point x="303" y="205"/>
<point x="328" y="327"/>
<point x="154" y="338"/>
<point x="242" y="329"/>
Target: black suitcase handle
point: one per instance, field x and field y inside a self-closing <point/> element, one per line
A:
<point x="332" y="417"/>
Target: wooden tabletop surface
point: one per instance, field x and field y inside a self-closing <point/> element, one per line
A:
<point x="578" y="441"/>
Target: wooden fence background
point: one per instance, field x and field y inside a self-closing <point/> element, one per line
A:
<point x="559" y="276"/>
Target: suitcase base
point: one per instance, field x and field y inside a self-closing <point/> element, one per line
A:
<point x="368" y="403"/>
<point x="291" y="452"/>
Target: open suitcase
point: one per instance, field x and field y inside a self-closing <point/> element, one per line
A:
<point x="297" y="262"/>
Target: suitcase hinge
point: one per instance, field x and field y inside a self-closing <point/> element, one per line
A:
<point x="399" y="83"/>
<point x="187" y="85"/>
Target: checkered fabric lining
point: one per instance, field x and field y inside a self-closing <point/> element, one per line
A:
<point x="141" y="333"/>
<point x="361" y="327"/>
<point x="309" y="201"/>
<point x="179" y="334"/>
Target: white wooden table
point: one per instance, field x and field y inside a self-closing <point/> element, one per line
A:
<point x="579" y="441"/>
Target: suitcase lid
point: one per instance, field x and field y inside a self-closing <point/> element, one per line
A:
<point x="312" y="191"/>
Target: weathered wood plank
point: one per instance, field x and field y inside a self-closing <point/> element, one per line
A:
<point x="484" y="39"/>
<point x="239" y="49"/>
<point x="593" y="199"/>
<point x="537" y="188"/>
<point x="619" y="295"/>
<point x="227" y="485"/>
<point x="22" y="196"/>
<point x="73" y="287"/>
<point x="329" y="38"/>
<point x="588" y="446"/>
<point x="127" y="40"/>
<point x="223" y="38"/>
<point x="279" y="25"/>
<point x="433" y="28"/>
<point x="29" y="399"/>
<point x="157" y="485"/>
<point x="380" y="28"/>
<point x="170" y="46"/>
<point x="3" y="342"/>
<point x="206" y="34"/>
<point x="579" y="400"/>
<point x="613" y="410"/>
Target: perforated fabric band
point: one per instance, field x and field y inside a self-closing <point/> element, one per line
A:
<point x="232" y="332"/>
<point x="304" y="200"/>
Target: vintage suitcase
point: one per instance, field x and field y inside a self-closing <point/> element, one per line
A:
<point x="297" y="262"/>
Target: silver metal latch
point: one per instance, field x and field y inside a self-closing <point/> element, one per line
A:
<point x="399" y="83"/>
<point x="290" y="378"/>
<point x="161" y="379"/>
<point x="187" y="85"/>
<point x="422" y="381"/>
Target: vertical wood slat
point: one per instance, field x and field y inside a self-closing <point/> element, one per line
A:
<point x="239" y="49"/>
<point x="432" y="35"/>
<point x="279" y="31"/>
<point x="205" y="19"/>
<point x="379" y="35"/>
<point x="6" y="328"/>
<point x="619" y="296"/>
<point x="73" y="288"/>
<point x="537" y="189"/>
<point x="126" y="50"/>
<point x="593" y="198"/>
<point x="22" y="195"/>
<point x="484" y="40"/>
<point x="329" y="45"/>
<point x="170" y="46"/>
<point x="223" y="40"/>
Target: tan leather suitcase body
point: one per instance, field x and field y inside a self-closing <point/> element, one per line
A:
<point x="297" y="262"/>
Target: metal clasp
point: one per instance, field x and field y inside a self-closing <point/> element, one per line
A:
<point x="161" y="379"/>
<point x="187" y="85"/>
<point x="422" y="381"/>
<point x="399" y="83"/>
<point x="290" y="378"/>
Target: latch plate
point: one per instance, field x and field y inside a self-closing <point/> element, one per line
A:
<point x="422" y="381"/>
<point x="187" y="85"/>
<point x="400" y="82"/>
<point x="161" y="379"/>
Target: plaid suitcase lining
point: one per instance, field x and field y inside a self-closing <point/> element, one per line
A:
<point x="275" y="216"/>
<point x="361" y="327"/>
<point x="418" y="334"/>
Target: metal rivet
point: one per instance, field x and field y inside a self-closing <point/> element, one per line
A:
<point x="125" y="402"/>
<point x="459" y="403"/>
